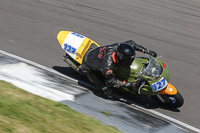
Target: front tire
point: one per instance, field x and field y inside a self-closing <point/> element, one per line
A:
<point x="172" y="101"/>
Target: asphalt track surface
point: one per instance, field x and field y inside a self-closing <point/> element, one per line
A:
<point x="52" y="85"/>
<point x="28" y="28"/>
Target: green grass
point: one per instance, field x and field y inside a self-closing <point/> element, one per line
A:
<point x="23" y="112"/>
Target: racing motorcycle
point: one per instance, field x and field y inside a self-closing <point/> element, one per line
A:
<point x="154" y="71"/>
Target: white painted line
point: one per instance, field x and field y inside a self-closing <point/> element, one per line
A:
<point x="139" y="107"/>
<point x="36" y="65"/>
<point x="169" y="118"/>
<point x="28" y="78"/>
<point x="40" y="90"/>
<point x="155" y="113"/>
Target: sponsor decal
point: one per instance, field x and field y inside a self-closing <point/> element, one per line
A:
<point x="162" y="83"/>
<point x="170" y="89"/>
<point x="78" y="35"/>
<point x="102" y="53"/>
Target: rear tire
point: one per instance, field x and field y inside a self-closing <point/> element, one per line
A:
<point x="172" y="101"/>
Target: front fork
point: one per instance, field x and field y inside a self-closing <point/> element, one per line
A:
<point x="161" y="98"/>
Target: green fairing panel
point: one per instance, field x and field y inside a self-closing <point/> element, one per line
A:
<point x="123" y="73"/>
<point x="165" y="72"/>
<point x="130" y="74"/>
<point x="136" y="67"/>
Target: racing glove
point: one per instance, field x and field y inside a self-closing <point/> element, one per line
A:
<point x="132" y="85"/>
<point x="152" y="53"/>
<point x="141" y="48"/>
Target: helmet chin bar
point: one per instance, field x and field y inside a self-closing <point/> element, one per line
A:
<point x="126" y="62"/>
<point x="119" y="55"/>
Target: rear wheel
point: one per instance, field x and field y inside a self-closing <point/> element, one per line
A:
<point x="172" y="101"/>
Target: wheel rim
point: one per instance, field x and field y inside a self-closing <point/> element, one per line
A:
<point x="168" y="99"/>
<point x="173" y="100"/>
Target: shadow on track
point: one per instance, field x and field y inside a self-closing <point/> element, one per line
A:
<point x="144" y="101"/>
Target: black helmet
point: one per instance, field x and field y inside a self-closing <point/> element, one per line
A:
<point x="125" y="54"/>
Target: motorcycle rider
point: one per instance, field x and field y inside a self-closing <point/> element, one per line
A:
<point x="102" y="60"/>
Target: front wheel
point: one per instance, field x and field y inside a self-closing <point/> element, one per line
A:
<point x="172" y="101"/>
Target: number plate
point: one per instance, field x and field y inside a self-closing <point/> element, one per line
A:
<point x="162" y="83"/>
<point x="69" y="49"/>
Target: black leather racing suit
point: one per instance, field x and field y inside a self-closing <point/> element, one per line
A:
<point x="103" y="59"/>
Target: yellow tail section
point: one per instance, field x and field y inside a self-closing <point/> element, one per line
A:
<point x="61" y="37"/>
<point x="82" y="47"/>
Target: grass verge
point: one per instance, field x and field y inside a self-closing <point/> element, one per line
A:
<point x="23" y="112"/>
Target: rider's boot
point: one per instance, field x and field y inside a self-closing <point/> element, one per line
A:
<point x="106" y="90"/>
<point x="99" y="84"/>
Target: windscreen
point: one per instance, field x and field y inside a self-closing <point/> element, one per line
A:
<point x="153" y="69"/>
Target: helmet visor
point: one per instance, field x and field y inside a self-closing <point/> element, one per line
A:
<point x="126" y="60"/>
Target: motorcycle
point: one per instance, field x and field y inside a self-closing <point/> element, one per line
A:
<point x="154" y="71"/>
